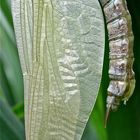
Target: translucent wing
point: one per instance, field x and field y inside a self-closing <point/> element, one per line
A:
<point x="61" y="49"/>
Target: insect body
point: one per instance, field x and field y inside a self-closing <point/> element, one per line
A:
<point x="122" y="81"/>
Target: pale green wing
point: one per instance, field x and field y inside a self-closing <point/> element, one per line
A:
<point x="61" y="49"/>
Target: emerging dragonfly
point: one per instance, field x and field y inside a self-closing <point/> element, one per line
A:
<point x="122" y="81"/>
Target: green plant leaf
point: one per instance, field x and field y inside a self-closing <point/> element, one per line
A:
<point x="61" y="48"/>
<point x="18" y="109"/>
<point x="11" y="78"/>
<point x="10" y="127"/>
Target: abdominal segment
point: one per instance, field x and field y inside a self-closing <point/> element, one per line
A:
<point x="119" y="25"/>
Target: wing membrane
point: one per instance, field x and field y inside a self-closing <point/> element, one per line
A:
<point x="61" y="48"/>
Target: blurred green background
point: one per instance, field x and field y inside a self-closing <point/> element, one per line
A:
<point x="123" y="124"/>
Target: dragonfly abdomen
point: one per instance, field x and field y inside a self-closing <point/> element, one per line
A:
<point x="119" y="26"/>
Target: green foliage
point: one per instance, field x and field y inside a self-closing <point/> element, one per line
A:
<point x="10" y="126"/>
<point x="11" y="85"/>
<point x="123" y="124"/>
